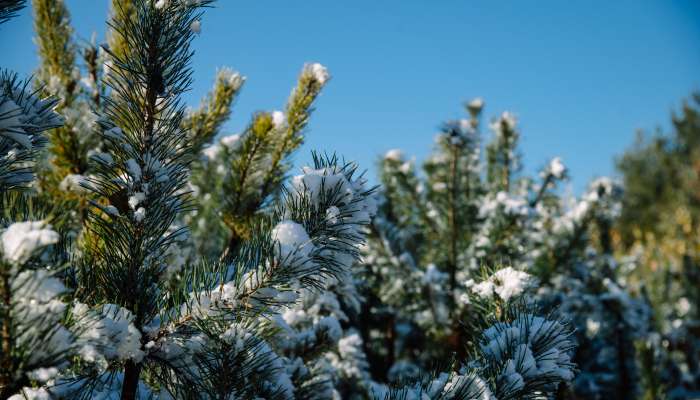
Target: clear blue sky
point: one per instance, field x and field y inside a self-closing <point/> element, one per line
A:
<point x="581" y="76"/>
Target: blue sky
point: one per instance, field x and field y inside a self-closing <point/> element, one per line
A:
<point x="581" y="76"/>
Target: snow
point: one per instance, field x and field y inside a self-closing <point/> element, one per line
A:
<point x="332" y="214"/>
<point x="292" y="239"/>
<point x="232" y="78"/>
<point x="229" y="142"/>
<point x="557" y="168"/>
<point x="196" y="26"/>
<point x="140" y="214"/>
<point x="108" y="334"/>
<point x="439" y="186"/>
<point x="683" y="306"/>
<point x="44" y="374"/>
<point x="484" y="289"/>
<point x="592" y="327"/>
<point x="112" y="210"/>
<point x="476" y="103"/>
<point x="136" y="199"/>
<point x="37" y="316"/>
<point x="211" y="152"/>
<point x="278" y="119"/>
<point x="32" y="394"/>
<point x="331" y="326"/>
<point x="9" y="114"/>
<point x="509" y="283"/>
<point x="529" y="347"/>
<point x="134" y="169"/>
<point x="74" y="183"/>
<point x="394" y="155"/>
<point x="114" y="133"/>
<point x="317" y="181"/>
<point x="513" y="381"/>
<point x="318" y="71"/>
<point x="105" y="158"/>
<point x="22" y="239"/>
<point x="11" y="125"/>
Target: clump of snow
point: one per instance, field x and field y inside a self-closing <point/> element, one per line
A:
<point x="439" y="186"/>
<point x="232" y="142"/>
<point x="592" y="327"/>
<point x="394" y="155"/>
<point x="136" y="199"/>
<point x="292" y="239"/>
<point x="104" y="158"/>
<point x="74" y="183"/>
<point x="683" y="306"/>
<point x="555" y="168"/>
<point x="112" y="210"/>
<point x="232" y="78"/>
<point x="38" y="311"/>
<point x="602" y="191"/>
<point x="114" y="133"/>
<point x="134" y="169"/>
<point x="139" y="214"/>
<point x="529" y="348"/>
<point x="332" y="214"/>
<point x="108" y="334"/>
<point x="278" y="119"/>
<point x="196" y="26"/>
<point x="476" y="104"/>
<point x="510" y="205"/>
<point x="28" y="393"/>
<point x="10" y="124"/>
<point x="317" y="182"/>
<point x="44" y="374"/>
<point x="507" y="121"/>
<point x="229" y="142"/>
<point x="318" y="71"/>
<point x="507" y="283"/>
<point x="433" y="276"/>
<point x="21" y="239"/>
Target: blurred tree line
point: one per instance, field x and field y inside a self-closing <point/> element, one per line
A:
<point x="659" y="224"/>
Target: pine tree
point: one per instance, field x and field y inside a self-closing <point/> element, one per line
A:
<point x="462" y="243"/>
<point x="261" y="301"/>
<point x="34" y="342"/>
<point x="659" y="223"/>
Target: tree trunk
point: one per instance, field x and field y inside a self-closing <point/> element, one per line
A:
<point x="132" y="371"/>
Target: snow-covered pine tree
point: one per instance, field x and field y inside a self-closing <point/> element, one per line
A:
<point x="72" y="74"/>
<point x="455" y="246"/>
<point x="33" y="340"/>
<point x="207" y="334"/>
<point x="236" y="176"/>
<point x="129" y="315"/>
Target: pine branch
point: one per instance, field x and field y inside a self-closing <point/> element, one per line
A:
<point x="205" y="123"/>
<point x="145" y="175"/>
<point x="24" y="116"/>
<point x="121" y="10"/>
<point x="9" y="9"/>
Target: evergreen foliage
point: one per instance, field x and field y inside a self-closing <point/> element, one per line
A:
<point x="456" y="245"/>
<point x="659" y="223"/>
<point x="145" y="253"/>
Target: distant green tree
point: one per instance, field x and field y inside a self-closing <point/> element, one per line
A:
<point x="660" y="222"/>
